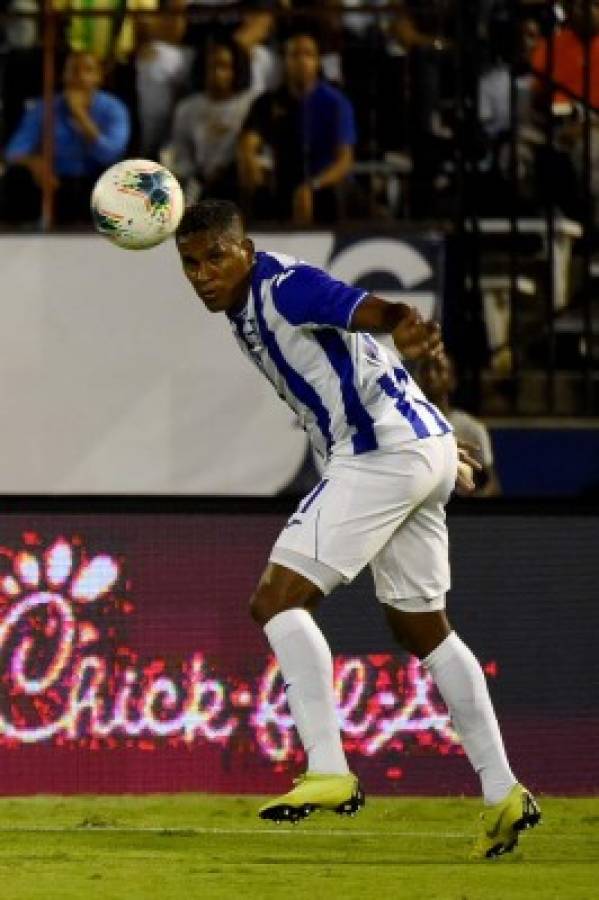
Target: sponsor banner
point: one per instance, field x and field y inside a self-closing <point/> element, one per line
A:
<point x="118" y="381"/>
<point x="128" y="661"/>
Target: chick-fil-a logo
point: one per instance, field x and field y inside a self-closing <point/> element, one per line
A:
<point x="67" y="673"/>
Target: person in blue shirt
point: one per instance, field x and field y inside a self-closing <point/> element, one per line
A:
<point x="91" y="132"/>
<point x="308" y="125"/>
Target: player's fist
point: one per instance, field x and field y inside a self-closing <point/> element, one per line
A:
<point x="467" y="465"/>
<point x="416" y="339"/>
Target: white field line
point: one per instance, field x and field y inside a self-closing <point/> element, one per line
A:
<point x="285" y="830"/>
<point x="192" y="830"/>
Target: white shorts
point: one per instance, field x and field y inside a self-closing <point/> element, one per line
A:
<point x="386" y="509"/>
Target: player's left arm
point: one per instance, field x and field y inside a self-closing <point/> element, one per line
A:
<point x="305" y="295"/>
<point x="412" y="336"/>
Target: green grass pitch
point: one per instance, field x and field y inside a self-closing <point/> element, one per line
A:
<point x="182" y="847"/>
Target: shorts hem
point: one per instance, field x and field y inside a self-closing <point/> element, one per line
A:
<point x="325" y="577"/>
<point x="415" y="604"/>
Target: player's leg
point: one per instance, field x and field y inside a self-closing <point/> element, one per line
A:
<point x="462" y="684"/>
<point x="412" y="576"/>
<point x="331" y="536"/>
<point x="281" y="604"/>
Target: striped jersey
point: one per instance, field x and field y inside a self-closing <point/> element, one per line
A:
<point x="345" y="390"/>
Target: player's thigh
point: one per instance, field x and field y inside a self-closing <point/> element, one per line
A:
<point x="352" y="513"/>
<point x="413" y="565"/>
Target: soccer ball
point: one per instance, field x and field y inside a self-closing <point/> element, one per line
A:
<point x="137" y="204"/>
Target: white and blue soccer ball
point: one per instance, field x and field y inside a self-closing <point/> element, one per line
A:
<point x="137" y="204"/>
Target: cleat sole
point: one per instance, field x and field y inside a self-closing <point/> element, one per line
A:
<point x="285" y="813"/>
<point x="353" y="805"/>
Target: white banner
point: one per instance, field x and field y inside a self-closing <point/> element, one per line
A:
<point x="116" y="380"/>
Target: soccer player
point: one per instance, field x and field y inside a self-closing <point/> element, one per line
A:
<point x="392" y="465"/>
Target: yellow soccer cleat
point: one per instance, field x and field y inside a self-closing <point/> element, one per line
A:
<point x="502" y="823"/>
<point x="339" y="793"/>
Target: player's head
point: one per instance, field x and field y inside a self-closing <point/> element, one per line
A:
<point x="217" y="255"/>
<point x="82" y="71"/>
<point x="302" y="61"/>
<point x="436" y="376"/>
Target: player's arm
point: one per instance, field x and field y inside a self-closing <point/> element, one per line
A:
<point x="412" y="336"/>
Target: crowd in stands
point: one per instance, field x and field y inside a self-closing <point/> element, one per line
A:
<point x="274" y="103"/>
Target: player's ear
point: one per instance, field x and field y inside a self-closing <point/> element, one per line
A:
<point x="249" y="249"/>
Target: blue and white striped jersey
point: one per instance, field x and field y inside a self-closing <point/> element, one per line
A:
<point x="342" y="385"/>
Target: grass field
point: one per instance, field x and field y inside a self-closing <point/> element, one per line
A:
<point x="198" y="846"/>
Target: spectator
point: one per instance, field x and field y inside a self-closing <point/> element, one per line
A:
<point x="495" y="89"/>
<point x="207" y="124"/>
<point x="437" y="379"/>
<point x="161" y="70"/>
<point x="91" y="130"/>
<point x="570" y="46"/>
<point x="415" y="31"/>
<point x="309" y="127"/>
<point x="144" y="65"/>
<point x="495" y="113"/>
<point x="252" y="30"/>
<point x="109" y="38"/>
<point x="569" y="53"/>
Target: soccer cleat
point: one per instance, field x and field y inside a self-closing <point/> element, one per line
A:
<point x="339" y="793"/>
<point x="502" y="823"/>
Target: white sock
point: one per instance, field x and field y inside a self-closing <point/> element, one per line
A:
<point x="462" y="684"/>
<point x="306" y="664"/>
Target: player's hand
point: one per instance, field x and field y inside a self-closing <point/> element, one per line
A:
<point x="303" y="205"/>
<point x="416" y="339"/>
<point x="467" y="466"/>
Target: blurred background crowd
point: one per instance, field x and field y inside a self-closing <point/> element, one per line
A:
<point x="305" y="112"/>
<point x="473" y="120"/>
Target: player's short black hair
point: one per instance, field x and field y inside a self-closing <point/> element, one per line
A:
<point x="209" y="215"/>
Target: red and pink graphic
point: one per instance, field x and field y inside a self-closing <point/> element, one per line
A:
<point x="70" y="674"/>
<point x="129" y="663"/>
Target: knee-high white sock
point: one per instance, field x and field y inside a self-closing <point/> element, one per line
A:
<point x="462" y="684"/>
<point x="305" y="661"/>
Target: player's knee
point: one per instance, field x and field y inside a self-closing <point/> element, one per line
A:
<point x="264" y="604"/>
<point x="278" y="592"/>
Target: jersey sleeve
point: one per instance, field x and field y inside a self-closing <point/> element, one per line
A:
<point x="308" y="296"/>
